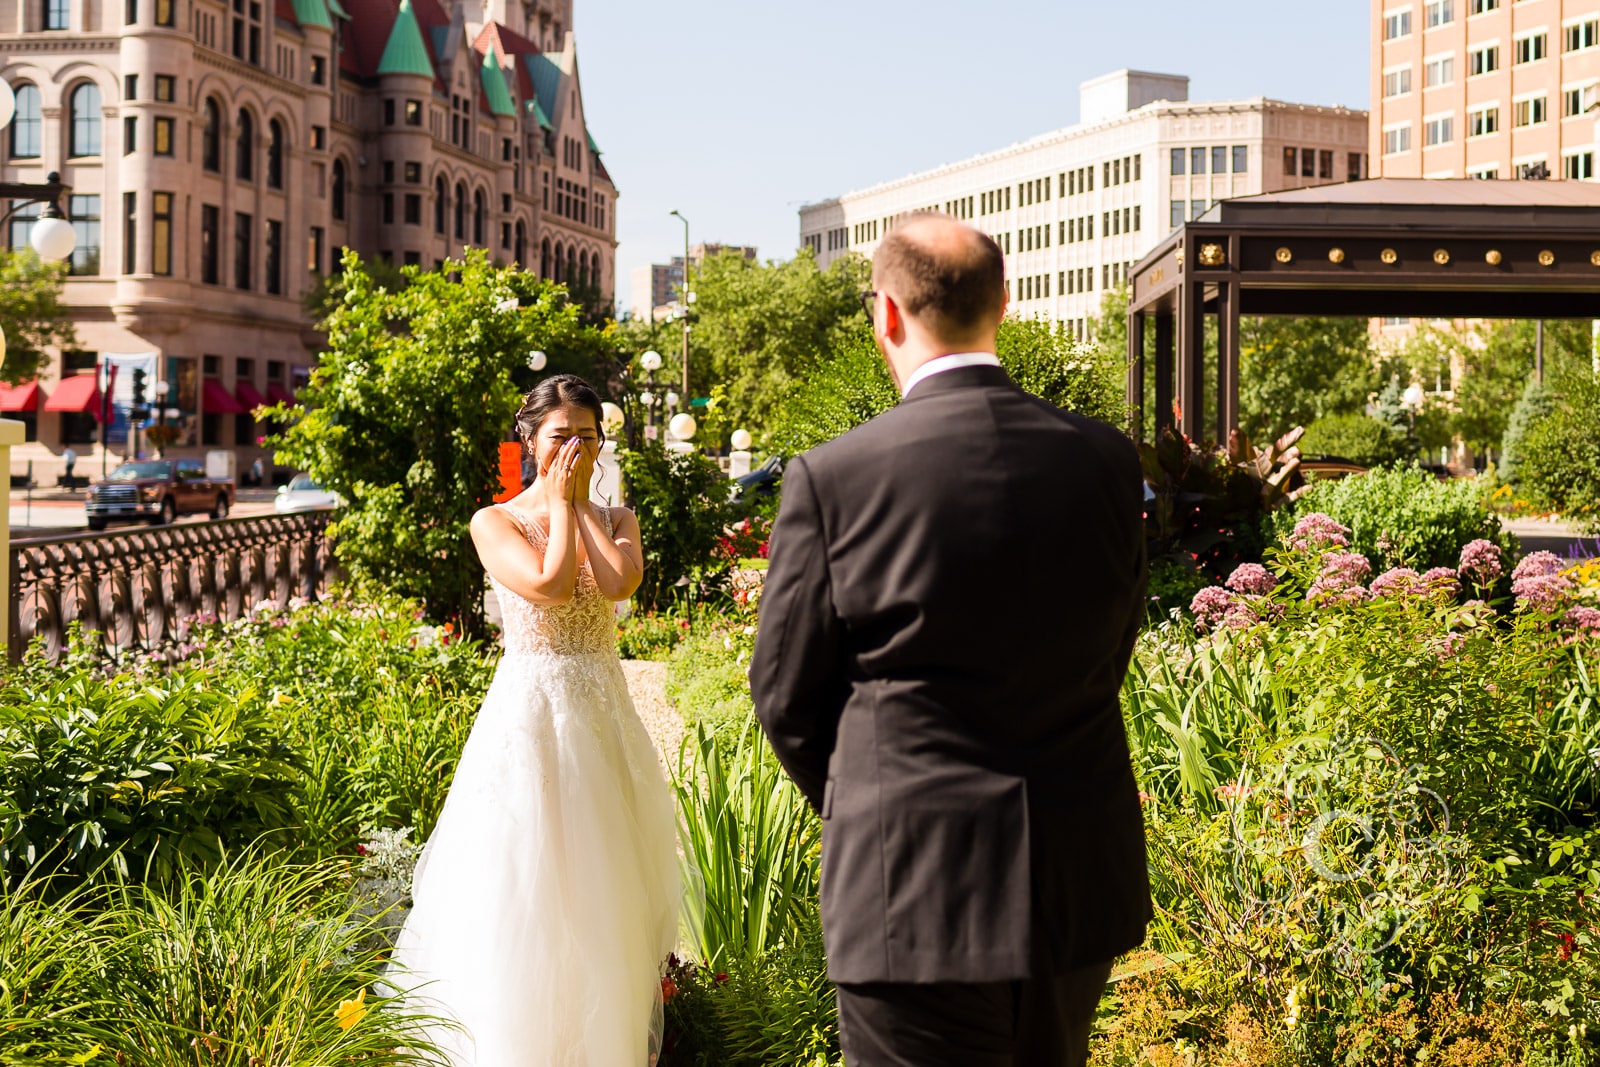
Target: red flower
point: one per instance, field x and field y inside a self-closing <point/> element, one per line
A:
<point x="1568" y="947"/>
<point x="683" y="624"/>
<point x="721" y="977"/>
<point x="361" y="850"/>
<point x="669" y="988"/>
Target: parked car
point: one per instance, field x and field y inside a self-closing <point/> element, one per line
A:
<point x="157" y="491"/>
<point x="303" y="494"/>
<point x="761" y="482"/>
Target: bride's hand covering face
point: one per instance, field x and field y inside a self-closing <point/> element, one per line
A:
<point x="566" y="446"/>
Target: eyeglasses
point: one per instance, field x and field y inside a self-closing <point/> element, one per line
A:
<point x="869" y="301"/>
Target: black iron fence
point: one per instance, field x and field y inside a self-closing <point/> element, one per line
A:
<point x="140" y="589"/>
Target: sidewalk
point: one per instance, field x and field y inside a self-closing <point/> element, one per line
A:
<point x="54" y="513"/>
<point x="1562" y="538"/>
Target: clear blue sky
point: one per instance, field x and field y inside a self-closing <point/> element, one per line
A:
<point x="736" y="113"/>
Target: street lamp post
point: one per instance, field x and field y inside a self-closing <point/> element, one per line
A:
<point x="687" y="299"/>
<point x="651" y="363"/>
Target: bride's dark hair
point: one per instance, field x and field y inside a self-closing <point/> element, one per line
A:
<point x="557" y="391"/>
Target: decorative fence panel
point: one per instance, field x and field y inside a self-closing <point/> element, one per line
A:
<point x="140" y="588"/>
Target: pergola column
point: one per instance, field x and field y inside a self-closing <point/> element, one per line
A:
<point x="1191" y="358"/>
<point x="1163" y="370"/>
<point x="1136" y="372"/>
<point x="1227" y="359"/>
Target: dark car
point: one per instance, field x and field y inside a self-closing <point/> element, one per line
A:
<point x="761" y="482"/>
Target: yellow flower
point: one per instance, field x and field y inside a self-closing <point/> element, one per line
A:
<point x="284" y="698"/>
<point x="350" y="1012"/>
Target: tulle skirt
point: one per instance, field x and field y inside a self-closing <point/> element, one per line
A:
<point x="548" y="895"/>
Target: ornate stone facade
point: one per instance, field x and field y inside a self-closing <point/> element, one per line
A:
<point x="222" y="152"/>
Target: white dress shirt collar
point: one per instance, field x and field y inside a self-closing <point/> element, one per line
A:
<point x="954" y="361"/>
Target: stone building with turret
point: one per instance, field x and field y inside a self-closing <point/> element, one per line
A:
<point x="221" y="153"/>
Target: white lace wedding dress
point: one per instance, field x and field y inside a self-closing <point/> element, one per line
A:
<point x="547" y="896"/>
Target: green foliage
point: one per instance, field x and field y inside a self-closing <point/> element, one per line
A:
<point x="1205" y="514"/>
<point x="31" y="313"/>
<point x="1295" y="371"/>
<point x="1560" y="457"/>
<point x="650" y="635"/>
<point x="1535" y="404"/>
<point x="708" y="678"/>
<point x="1357" y="437"/>
<point x="854" y="386"/>
<point x="682" y="503"/>
<point x="249" y="962"/>
<point x="405" y="413"/>
<point x="1402" y="517"/>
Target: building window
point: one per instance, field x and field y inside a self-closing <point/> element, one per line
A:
<point x="413" y="112"/>
<point x="1397" y="82"/>
<point x="166" y="13"/>
<point x="314" y="249"/>
<point x="480" y="217"/>
<point x="1397" y="25"/>
<point x="1288" y="161"/>
<point x="85" y="120"/>
<point x="130" y="231"/>
<point x="1483" y="121"/>
<point x="1529" y="112"/>
<point x="1478" y="7"/>
<point x="166" y="135"/>
<point x="274" y="257"/>
<point x="388" y="112"/>
<point x="1397" y="140"/>
<point x="438" y="205"/>
<point x="1485" y="173"/>
<point x="1441" y="71"/>
<point x="1241" y="159"/>
<point x="336" y="202"/>
<point x="85" y="211"/>
<point x="319" y="137"/>
<point x="55" y="14"/>
<point x="1219" y="159"/>
<point x="210" y="236"/>
<point x="130" y="87"/>
<point x="1325" y="163"/>
<point x="1197" y="160"/>
<point x="130" y="134"/>
<point x="1581" y="35"/>
<point x="414" y="173"/>
<point x="1483" y="61"/>
<point x="243" y="226"/>
<point x="130" y="12"/>
<point x="1439" y="13"/>
<point x="461" y="212"/>
<point x="1577" y="101"/>
<point x="1530" y="49"/>
<point x="1180" y="161"/>
<point x="413" y="209"/>
<point x="166" y="89"/>
<point x="388" y="172"/>
<point x="1438" y="131"/>
<point x="319" y="70"/>
<point x="211" y="137"/>
<point x="1308" y="162"/>
<point x="244" y="148"/>
<point x="1579" y="166"/>
<point x="28" y="124"/>
<point x="161" y="233"/>
<point x="388" y="208"/>
<point x="275" y="137"/>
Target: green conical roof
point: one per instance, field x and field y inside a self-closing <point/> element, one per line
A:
<point x="312" y="13"/>
<point x="538" y="114"/>
<point x="405" y="53"/>
<point x="592" y="146"/>
<point x="494" y="86"/>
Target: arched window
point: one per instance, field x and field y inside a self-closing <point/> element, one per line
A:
<point x="439" y="190"/>
<point x="544" y="258"/>
<point x="275" y="155"/>
<point x="572" y="265"/>
<point x="338" y="189"/>
<point x="27" y="129"/>
<point x="461" y="212"/>
<point x="211" y="137"/>
<point x="244" y="148"/>
<point x="561" y="264"/>
<point x="583" y="270"/>
<point x="84" y="108"/>
<point x="520" y="246"/>
<point x="480" y="217"/>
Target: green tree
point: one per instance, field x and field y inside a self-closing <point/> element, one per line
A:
<point x="405" y="413"/>
<point x="1293" y="371"/>
<point x="31" y="313"/>
<point x="757" y="327"/>
<point x="681" y="500"/>
<point x="1559" y="459"/>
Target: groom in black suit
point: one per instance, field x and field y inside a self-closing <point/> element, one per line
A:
<point x="953" y="597"/>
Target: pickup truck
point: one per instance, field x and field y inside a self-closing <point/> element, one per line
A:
<point x="157" y="491"/>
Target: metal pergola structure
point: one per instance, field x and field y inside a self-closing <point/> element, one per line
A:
<point x="1425" y="248"/>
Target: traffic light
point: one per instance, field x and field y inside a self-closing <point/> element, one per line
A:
<point x="138" y="387"/>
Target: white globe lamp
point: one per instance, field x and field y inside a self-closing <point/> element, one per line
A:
<point x="742" y="440"/>
<point x="173" y="414"/>
<point x="672" y="400"/>
<point x="162" y="389"/>
<point x="647" y="398"/>
<point x="53" y="238"/>
<point x="682" y="426"/>
<point x="537" y="361"/>
<point x="610" y="415"/>
<point x="1412" y="398"/>
<point x="650" y="361"/>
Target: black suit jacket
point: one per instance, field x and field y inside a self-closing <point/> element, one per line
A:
<point x="952" y="600"/>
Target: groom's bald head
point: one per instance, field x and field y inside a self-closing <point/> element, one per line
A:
<point x="946" y="275"/>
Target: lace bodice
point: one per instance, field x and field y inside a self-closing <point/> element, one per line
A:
<point x="584" y="625"/>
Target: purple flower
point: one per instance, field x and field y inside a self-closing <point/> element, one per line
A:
<point x="1583" y="622"/>
<point x="1539" y="585"/>
<point x="1397" y="582"/>
<point x="1341" y="578"/>
<point x="1211" y="606"/>
<point x="1317" y="530"/>
<point x="1252" y="579"/>
<point x="1482" y="562"/>
<point x="1441" y="582"/>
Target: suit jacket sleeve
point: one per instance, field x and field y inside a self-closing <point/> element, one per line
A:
<point x="797" y="676"/>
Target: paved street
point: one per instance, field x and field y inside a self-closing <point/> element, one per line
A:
<point x="54" y="512"/>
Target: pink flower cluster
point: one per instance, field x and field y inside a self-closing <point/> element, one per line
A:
<point x="1341" y="580"/>
<point x="1442" y="582"/>
<point x="1317" y="530"/>
<point x="1214" y="606"/>
<point x="1583" y="622"/>
<point x="1397" y="582"/>
<point x="1481" y="562"/>
<point x="1252" y="579"/>
<point x="1539" y="585"/>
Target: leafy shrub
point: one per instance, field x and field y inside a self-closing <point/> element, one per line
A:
<point x="1401" y="517"/>
<point x="1560" y="459"/>
<point x="650" y="635"/>
<point x="854" y="385"/>
<point x="1535" y="404"/>
<point x="682" y="501"/>
<point x="1357" y="437"/>
<point x="1206" y="510"/>
<point x="708" y="678"/>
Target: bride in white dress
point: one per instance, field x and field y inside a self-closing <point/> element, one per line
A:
<point x="547" y="897"/>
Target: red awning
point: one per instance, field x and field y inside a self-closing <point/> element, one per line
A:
<point x="249" y="399"/>
<point x="24" y="397"/>
<point x="78" y="393"/>
<point x="277" y="394"/>
<point x="218" y="401"/>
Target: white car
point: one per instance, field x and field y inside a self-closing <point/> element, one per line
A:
<point x="303" y="494"/>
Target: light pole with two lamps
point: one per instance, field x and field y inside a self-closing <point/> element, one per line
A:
<point x="688" y="298"/>
<point x="650" y="363"/>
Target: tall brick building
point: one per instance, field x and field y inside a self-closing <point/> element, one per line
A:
<point x="222" y="152"/>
